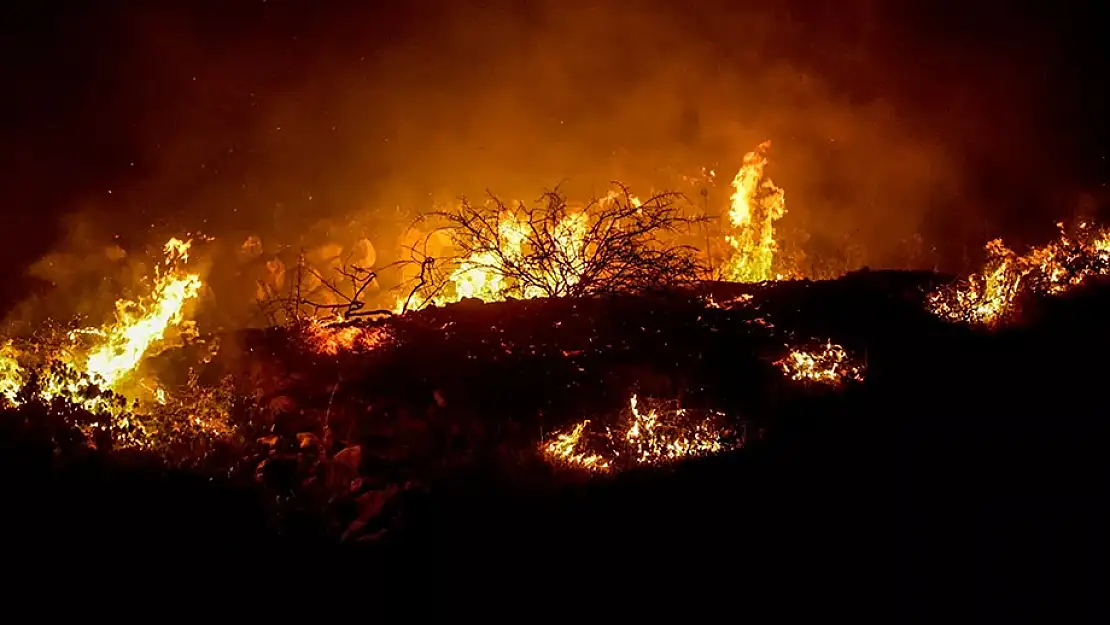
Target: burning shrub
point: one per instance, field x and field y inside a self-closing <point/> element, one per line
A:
<point x="108" y="420"/>
<point x="988" y="297"/>
<point x="618" y="244"/>
<point x="755" y="205"/>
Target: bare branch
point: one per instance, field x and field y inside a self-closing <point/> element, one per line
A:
<point x="617" y="244"/>
<point x="296" y="307"/>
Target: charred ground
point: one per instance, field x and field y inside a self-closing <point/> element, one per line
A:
<point x="959" y="446"/>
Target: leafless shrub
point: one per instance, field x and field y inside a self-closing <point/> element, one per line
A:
<point x="617" y="244"/>
<point x="298" y="305"/>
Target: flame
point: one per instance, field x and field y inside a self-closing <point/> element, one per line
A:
<point x="987" y="297"/>
<point x="658" y="436"/>
<point x="482" y="275"/>
<point x="138" y="325"/>
<point x="564" y="449"/>
<point x="756" y="205"/>
<point x="11" y="373"/>
<point x="117" y="348"/>
<point x="829" y="364"/>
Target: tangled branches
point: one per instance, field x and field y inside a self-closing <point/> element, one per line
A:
<point x="311" y="295"/>
<point x="617" y="244"/>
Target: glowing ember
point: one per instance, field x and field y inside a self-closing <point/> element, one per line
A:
<point x="332" y="337"/>
<point x="658" y="436"/>
<point x="988" y="296"/>
<point x="756" y="205"/>
<point x="828" y="364"/>
<point x="730" y="303"/>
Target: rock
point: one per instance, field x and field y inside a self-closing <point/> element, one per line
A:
<point x="350" y="457"/>
<point x="342" y="471"/>
<point x="370" y="505"/>
<point x="282" y="403"/>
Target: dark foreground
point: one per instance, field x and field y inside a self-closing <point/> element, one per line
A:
<point x="969" y="467"/>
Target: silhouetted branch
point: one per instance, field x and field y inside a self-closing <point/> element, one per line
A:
<point x="616" y="244"/>
<point x="296" y="308"/>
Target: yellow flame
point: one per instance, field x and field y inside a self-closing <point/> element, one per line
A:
<point x="483" y="275"/>
<point x="564" y="449"/>
<point x="653" y="437"/>
<point x="136" y="329"/>
<point x="138" y="326"/>
<point x="988" y="296"/>
<point x="11" y="373"/>
<point x="756" y="205"/>
<point x="829" y="364"/>
<point x="117" y="348"/>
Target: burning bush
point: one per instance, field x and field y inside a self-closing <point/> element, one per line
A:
<point x="988" y="297"/>
<point x="617" y="244"/>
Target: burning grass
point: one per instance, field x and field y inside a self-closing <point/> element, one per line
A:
<point x="657" y="434"/>
<point x="826" y="364"/>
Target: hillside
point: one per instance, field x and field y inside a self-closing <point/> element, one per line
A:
<point x="421" y="439"/>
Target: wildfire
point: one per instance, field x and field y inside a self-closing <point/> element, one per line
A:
<point x="988" y="296"/>
<point x="101" y="359"/>
<point x="828" y="364"/>
<point x="484" y="275"/>
<point x="661" y="435"/>
<point x="756" y="205"/>
<point x="493" y="274"/>
<point x="140" y="324"/>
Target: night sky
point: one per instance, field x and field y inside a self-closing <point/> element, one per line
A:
<point x="146" y="117"/>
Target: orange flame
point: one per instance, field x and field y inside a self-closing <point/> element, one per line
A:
<point x="987" y="297"/>
<point x="756" y="205"/>
<point x="829" y="364"/>
<point x="118" y="347"/>
<point x="657" y="436"/>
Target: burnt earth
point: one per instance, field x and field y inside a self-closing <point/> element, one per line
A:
<point x="959" y="446"/>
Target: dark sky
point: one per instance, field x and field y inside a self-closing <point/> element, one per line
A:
<point x="956" y="120"/>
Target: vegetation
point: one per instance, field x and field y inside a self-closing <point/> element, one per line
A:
<point x="616" y="244"/>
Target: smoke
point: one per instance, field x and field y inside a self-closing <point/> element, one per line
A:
<point x="304" y="127"/>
